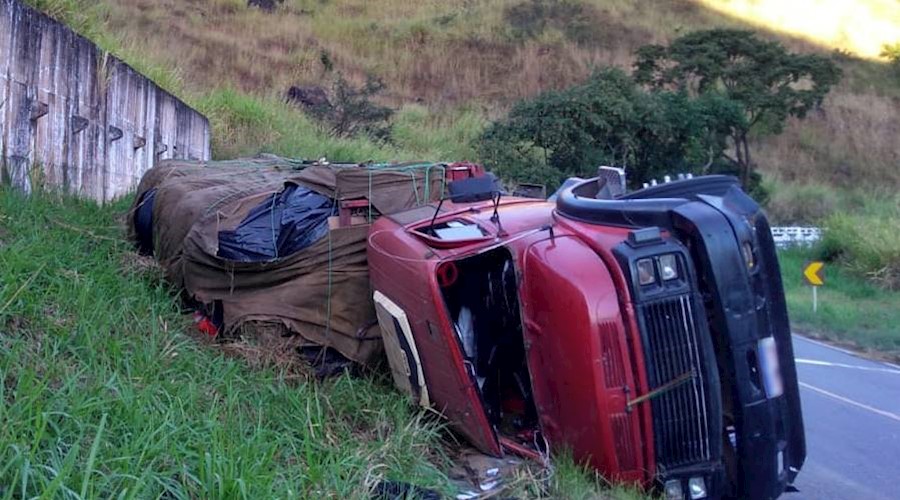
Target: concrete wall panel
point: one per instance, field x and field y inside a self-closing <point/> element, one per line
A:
<point x="74" y="118"/>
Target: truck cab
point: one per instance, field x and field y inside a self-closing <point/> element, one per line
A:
<point x="646" y="333"/>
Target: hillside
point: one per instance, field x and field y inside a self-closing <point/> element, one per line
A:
<point x="479" y="56"/>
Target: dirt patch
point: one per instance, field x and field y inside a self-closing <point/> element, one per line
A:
<point x="133" y="263"/>
<point x="263" y="345"/>
<point x="56" y="317"/>
<point x="476" y="475"/>
<point x="15" y="325"/>
<point x="266" y="345"/>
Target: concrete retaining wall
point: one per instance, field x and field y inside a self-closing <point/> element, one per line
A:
<point x="76" y="119"/>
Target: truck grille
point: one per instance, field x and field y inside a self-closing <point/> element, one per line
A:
<point x="680" y="420"/>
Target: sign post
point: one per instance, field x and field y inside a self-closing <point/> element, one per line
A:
<point x="812" y="273"/>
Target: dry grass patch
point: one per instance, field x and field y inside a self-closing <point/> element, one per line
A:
<point x="852" y="140"/>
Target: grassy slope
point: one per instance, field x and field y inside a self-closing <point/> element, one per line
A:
<point x="446" y="54"/>
<point x="440" y="56"/>
<point x="103" y="392"/>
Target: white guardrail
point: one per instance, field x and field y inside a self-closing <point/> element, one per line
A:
<point x="796" y="236"/>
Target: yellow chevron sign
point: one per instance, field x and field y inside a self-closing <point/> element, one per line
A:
<point x="813" y="273"/>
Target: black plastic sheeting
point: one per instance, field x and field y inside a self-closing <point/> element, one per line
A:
<point x="285" y="223"/>
<point x="143" y="222"/>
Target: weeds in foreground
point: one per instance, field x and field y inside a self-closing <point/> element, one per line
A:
<point x="104" y="394"/>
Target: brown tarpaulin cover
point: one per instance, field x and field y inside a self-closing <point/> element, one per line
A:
<point x="322" y="292"/>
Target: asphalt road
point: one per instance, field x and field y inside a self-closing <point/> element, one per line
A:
<point x="851" y="408"/>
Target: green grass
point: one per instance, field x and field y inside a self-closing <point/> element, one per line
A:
<point x="867" y="242"/>
<point x="851" y="310"/>
<point x="446" y="136"/>
<point x="245" y="125"/>
<point x="574" y="482"/>
<point x="106" y="392"/>
<point x="862" y="225"/>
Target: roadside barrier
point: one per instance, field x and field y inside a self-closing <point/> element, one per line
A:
<point x="796" y="236"/>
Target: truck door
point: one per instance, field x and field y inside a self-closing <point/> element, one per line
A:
<point x="577" y="356"/>
<point x="426" y="359"/>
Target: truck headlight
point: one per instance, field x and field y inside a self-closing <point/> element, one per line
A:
<point x="668" y="266"/>
<point x="673" y="490"/>
<point x="646" y="272"/>
<point x="697" y="488"/>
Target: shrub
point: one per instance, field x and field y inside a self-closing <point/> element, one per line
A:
<point x="608" y="120"/>
<point x="577" y="21"/>
<point x="867" y="243"/>
<point x="351" y="110"/>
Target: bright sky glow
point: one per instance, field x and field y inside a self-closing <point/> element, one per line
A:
<point x="858" y="26"/>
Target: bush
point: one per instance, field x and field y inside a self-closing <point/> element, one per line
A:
<point x="608" y="120"/>
<point x="866" y="243"/>
<point x="352" y="112"/>
<point x="577" y="21"/>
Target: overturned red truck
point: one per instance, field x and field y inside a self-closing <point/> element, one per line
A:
<point x="646" y="332"/>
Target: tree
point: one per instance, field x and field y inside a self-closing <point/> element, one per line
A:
<point x="765" y="80"/>
<point x="608" y="120"/>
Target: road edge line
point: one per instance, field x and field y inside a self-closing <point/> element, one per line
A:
<point x="883" y="413"/>
<point x="845" y="351"/>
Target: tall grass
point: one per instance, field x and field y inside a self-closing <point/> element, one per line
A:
<point x="867" y="242"/>
<point x="862" y="225"/>
<point x="103" y="394"/>
<point x="244" y="125"/>
<point x="448" y="135"/>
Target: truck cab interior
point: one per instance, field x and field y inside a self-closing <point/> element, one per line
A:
<point x="483" y="302"/>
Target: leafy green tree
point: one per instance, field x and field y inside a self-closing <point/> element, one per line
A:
<point x="608" y="120"/>
<point x="762" y="77"/>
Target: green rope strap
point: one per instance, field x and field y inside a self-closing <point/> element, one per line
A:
<point x="328" y="297"/>
<point x="272" y="224"/>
